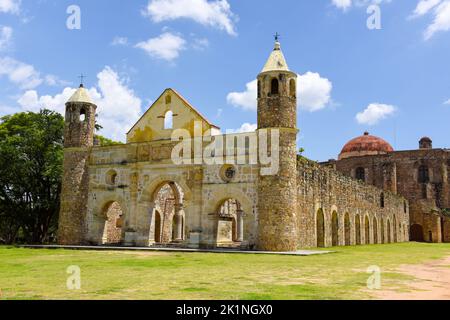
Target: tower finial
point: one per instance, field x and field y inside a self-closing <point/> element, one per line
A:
<point x="277" y="37"/>
<point x="82" y="76"/>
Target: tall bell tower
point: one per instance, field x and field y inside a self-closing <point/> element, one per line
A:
<point x="78" y="141"/>
<point x="277" y="194"/>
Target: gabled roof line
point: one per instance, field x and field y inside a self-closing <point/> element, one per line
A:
<point x="182" y="99"/>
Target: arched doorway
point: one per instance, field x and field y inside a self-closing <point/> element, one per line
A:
<point x="168" y="223"/>
<point x="389" y="231"/>
<point x="358" y="229"/>
<point x="320" y="229"/>
<point x="382" y="230"/>
<point x="335" y="229"/>
<point x="375" y="230"/>
<point x="367" y="230"/>
<point x="112" y="232"/>
<point x="417" y="233"/>
<point x="347" y="229"/>
<point x="230" y="223"/>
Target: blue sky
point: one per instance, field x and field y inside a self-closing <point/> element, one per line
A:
<point x="396" y="78"/>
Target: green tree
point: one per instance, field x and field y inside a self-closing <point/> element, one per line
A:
<point x="31" y="155"/>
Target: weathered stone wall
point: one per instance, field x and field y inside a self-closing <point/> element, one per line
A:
<point x="322" y="189"/>
<point x="399" y="172"/>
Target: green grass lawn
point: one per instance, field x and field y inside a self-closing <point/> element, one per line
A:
<point x="41" y="274"/>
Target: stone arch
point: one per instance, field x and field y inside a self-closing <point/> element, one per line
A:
<point x="108" y="222"/>
<point x="229" y="223"/>
<point x="248" y="222"/>
<point x="145" y="219"/>
<point x="375" y="230"/>
<point x="334" y="229"/>
<point x="320" y="228"/>
<point x="358" y="230"/>
<point x="155" y="184"/>
<point x="347" y="229"/>
<point x="367" y="229"/>
<point x="382" y="231"/>
<point x="416" y="233"/>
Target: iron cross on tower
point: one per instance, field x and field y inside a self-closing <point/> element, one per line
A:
<point x="82" y="76"/>
<point x="277" y="36"/>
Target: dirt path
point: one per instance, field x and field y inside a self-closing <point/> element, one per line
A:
<point x="432" y="282"/>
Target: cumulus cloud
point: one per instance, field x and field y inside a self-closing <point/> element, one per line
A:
<point x="313" y="92"/>
<point x="10" y="6"/>
<point x="19" y="73"/>
<point x="246" y="127"/>
<point x="374" y="113"/>
<point x="5" y="37"/>
<point x="166" y="47"/>
<point x="118" y="107"/>
<point x="216" y="13"/>
<point x="424" y="6"/>
<point x="246" y="99"/>
<point x="441" y="20"/>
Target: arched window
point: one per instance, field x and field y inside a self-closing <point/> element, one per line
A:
<point x="360" y="174"/>
<point x="292" y="88"/>
<point x="424" y="176"/>
<point x="274" y="87"/>
<point x="168" y="120"/>
<point x="111" y="177"/>
<point x="382" y="200"/>
<point x="82" y="115"/>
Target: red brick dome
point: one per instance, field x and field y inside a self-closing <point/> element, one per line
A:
<point x="364" y="146"/>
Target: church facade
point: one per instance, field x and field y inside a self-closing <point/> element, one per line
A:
<point x="136" y="194"/>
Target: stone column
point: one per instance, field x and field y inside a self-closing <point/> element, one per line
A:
<point x="240" y="226"/>
<point x="145" y="224"/>
<point x="179" y="213"/>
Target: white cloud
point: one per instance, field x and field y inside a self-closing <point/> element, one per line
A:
<point x="447" y="102"/>
<point x="5" y="37"/>
<point x="347" y="4"/>
<point x="22" y="74"/>
<point x="118" y="106"/>
<point x="441" y="21"/>
<point x="166" y="47"/>
<point x="246" y="99"/>
<point x="424" y="6"/>
<point x="120" y="41"/>
<point x="246" y="127"/>
<point x="313" y="92"/>
<point x="216" y="13"/>
<point x="10" y="6"/>
<point x="374" y="113"/>
<point x="342" y="4"/>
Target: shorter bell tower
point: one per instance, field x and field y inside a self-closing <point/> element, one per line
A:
<point x="78" y="141"/>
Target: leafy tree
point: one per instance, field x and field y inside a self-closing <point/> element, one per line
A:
<point x="105" y="142"/>
<point x="31" y="155"/>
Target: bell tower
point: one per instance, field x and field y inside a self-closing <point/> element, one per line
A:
<point x="78" y="141"/>
<point x="277" y="194"/>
